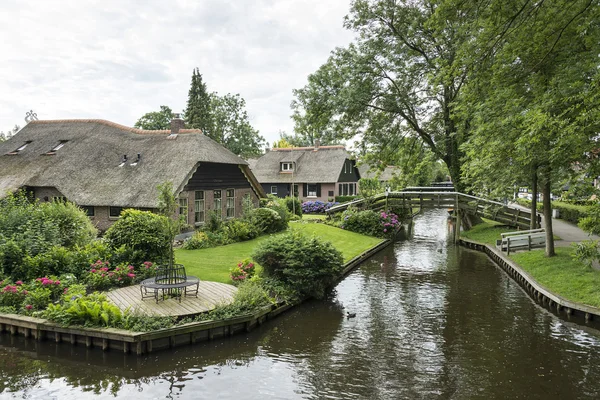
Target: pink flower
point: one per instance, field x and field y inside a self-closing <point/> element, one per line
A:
<point x="57" y="282"/>
<point x="130" y="267"/>
<point x="25" y="292"/>
<point x="131" y="275"/>
<point x="29" y="306"/>
<point x="119" y="279"/>
<point x="18" y="282"/>
<point x="93" y="270"/>
<point x="66" y="289"/>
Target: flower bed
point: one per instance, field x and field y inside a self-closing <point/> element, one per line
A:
<point x="317" y="207"/>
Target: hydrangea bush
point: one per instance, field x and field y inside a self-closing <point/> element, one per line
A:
<point x="317" y="206"/>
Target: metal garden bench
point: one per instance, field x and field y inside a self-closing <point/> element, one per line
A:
<point x="172" y="280"/>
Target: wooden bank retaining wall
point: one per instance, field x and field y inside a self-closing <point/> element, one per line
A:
<point x="146" y="342"/>
<point x="553" y="302"/>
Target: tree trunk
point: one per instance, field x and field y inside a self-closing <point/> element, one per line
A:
<point x="534" y="192"/>
<point x="548" y="217"/>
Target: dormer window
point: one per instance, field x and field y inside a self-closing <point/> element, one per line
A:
<point x="57" y="147"/>
<point x="21" y="148"/>
<point x="287" y="167"/>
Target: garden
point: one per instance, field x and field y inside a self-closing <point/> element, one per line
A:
<point x="54" y="265"/>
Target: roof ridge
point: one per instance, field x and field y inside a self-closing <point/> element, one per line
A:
<point x="337" y="146"/>
<point x="114" y="125"/>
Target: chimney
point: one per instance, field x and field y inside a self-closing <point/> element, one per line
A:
<point x="176" y="124"/>
<point x="317" y="144"/>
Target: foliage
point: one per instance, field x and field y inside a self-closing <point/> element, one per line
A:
<point x="90" y="310"/>
<point x="308" y="264"/>
<point x="590" y="222"/>
<point x="237" y="230"/>
<point x="144" y="236"/>
<point x="317" y="206"/>
<point x="586" y="252"/>
<point x="369" y="187"/>
<point x="214" y="222"/>
<point x="9" y="133"/>
<point x="222" y="118"/>
<point x="74" y="227"/>
<point x="570" y="212"/>
<point x="267" y="220"/>
<point x="101" y="277"/>
<point x="294" y="205"/>
<point x="199" y="240"/>
<point x="167" y="207"/>
<point x="345" y="199"/>
<point x="12" y="295"/>
<point x="369" y="222"/>
<point x="242" y="271"/>
<point x="156" y="120"/>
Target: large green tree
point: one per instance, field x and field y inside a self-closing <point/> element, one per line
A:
<point x="532" y="100"/>
<point x="198" y="113"/>
<point x="400" y="78"/>
<point x="231" y="126"/>
<point x="156" y="120"/>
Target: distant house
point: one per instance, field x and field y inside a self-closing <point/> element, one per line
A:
<point x="105" y="167"/>
<point x="384" y="177"/>
<point x="316" y="173"/>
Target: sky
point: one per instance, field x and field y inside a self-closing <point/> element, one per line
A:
<point x="117" y="60"/>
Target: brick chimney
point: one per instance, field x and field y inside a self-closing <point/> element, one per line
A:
<point x="177" y="124"/>
<point x="317" y="144"/>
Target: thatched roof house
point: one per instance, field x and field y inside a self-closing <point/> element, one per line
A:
<point x="320" y="172"/>
<point x="97" y="163"/>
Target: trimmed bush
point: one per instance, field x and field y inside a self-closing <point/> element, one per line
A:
<point x="267" y="220"/>
<point x="144" y="235"/>
<point x="345" y="199"/>
<point x="294" y="205"/>
<point x="307" y="264"/>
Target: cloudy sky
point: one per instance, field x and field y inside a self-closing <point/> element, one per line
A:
<point x="117" y="60"/>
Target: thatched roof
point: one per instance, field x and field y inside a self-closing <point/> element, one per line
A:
<point x="323" y="164"/>
<point x="87" y="168"/>
<point x="386" y="175"/>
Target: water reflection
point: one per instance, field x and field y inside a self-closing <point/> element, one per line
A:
<point x="432" y="321"/>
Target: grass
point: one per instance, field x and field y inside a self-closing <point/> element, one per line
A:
<point x="213" y="264"/>
<point x="562" y="275"/>
<point x="486" y="232"/>
<point x="314" y="216"/>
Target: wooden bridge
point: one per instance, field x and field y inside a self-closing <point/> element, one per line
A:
<point x="428" y="197"/>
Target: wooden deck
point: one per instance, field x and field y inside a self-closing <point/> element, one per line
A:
<point x="209" y="295"/>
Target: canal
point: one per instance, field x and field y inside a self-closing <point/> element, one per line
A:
<point x="432" y="321"/>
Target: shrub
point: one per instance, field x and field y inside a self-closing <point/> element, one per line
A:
<point x="591" y="222"/>
<point x="345" y="199"/>
<point x="74" y="227"/>
<point x="316" y="207"/>
<point x="294" y="205"/>
<point x="12" y="295"/>
<point x="278" y="205"/>
<point x="214" y="222"/>
<point x="586" y="252"/>
<point x="91" y="310"/>
<point x="370" y="222"/>
<point x="242" y="271"/>
<point x="308" y="264"/>
<point x="199" y="240"/>
<point x="144" y="235"/>
<point x="237" y="230"/>
<point x="267" y="220"/>
<point x="102" y="277"/>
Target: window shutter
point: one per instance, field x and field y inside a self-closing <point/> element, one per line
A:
<point x="305" y="189"/>
<point x="318" y="190"/>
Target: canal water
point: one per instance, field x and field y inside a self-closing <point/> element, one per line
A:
<point x="433" y="321"/>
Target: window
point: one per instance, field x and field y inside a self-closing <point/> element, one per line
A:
<point x="330" y="193"/>
<point x="287" y="167"/>
<point x="347" y="189"/>
<point x="218" y="205"/>
<point x="312" y="190"/>
<point x="89" y="210"/>
<point x="273" y="189"/>
<point x="230" y="205"/>
<point x="21" y="148"/>
<point x="60" y="199"/>
<point x="296" y="190"/>
<point x="58" y="146"/>
<point x="199" y="206"/>
<point x="115" y="212"/>
<point x="183" y="208"/>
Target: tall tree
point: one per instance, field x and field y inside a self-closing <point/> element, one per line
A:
<point x="231" y="126"/>
<point x="156" y="120"/>
<point x="532" y="99"/>
<point x="198" y="113"/>
<point x="401" y="78"/>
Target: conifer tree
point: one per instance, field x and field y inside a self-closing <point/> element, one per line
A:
<point x="198" y="113"/>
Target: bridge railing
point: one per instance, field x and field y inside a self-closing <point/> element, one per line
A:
<point x="443" y="199"/>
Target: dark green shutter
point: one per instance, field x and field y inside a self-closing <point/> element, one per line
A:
<point x="304" y="189"/>
<point x="318" y="190"/>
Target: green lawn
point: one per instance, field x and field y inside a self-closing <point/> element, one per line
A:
<point x="314" y="216"/>
<point x="486" y="232"/>
<point x="562" y="275"/>
<point x="213" y="264"/>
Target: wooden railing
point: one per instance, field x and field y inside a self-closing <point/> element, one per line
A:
<point x="417" y="199"/>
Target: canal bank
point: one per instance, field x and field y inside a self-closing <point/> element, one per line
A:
<point x="147" y="342"/>
<point x="560" y="306"/>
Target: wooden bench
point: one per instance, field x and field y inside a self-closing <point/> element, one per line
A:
<point x="170" y="279"/>
<point x="521" y="240"/>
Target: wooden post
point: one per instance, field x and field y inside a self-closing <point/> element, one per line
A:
<point x="507" y="246"/>
<point x="457" y="226"/>
<point x="529" y="242"/>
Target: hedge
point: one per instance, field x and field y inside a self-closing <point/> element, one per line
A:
<point x="569" y="212"/>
